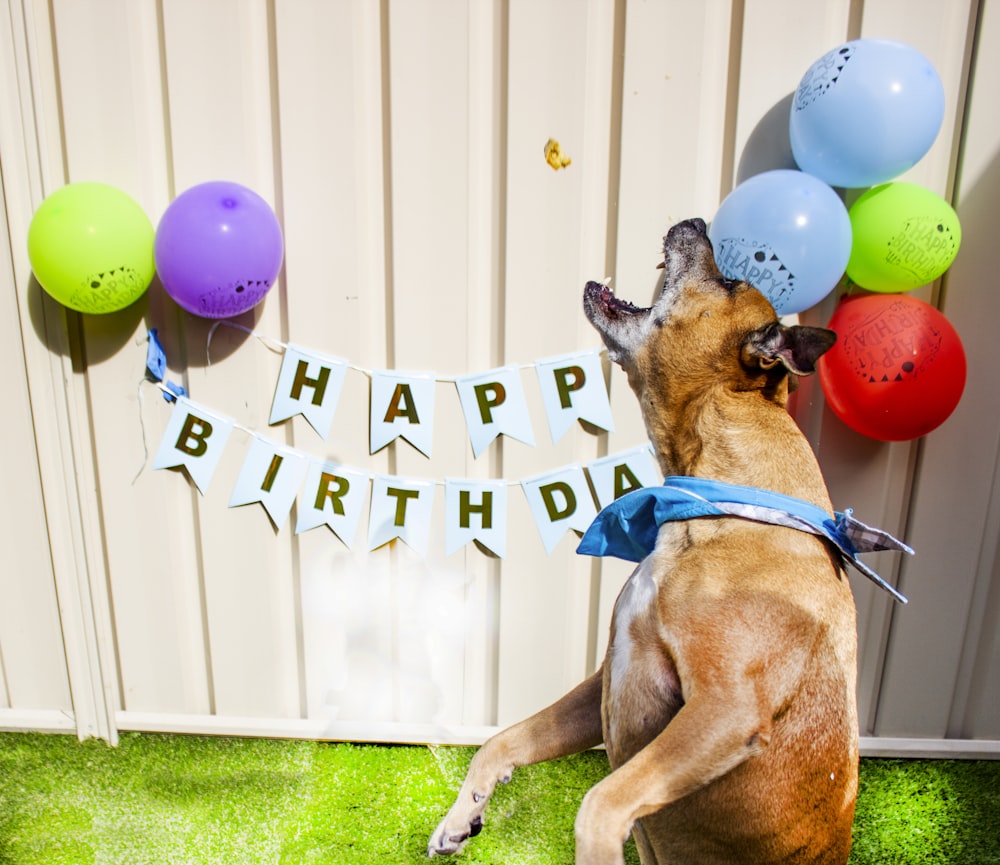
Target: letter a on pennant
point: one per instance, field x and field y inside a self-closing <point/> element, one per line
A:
<point x="194" y="438"/>
<point x="475" y="511"/>
<point x="560" y="501"/>
<point x="573" y="389"/>
<point x="493" y="403"/>
<point x="614" y="476"/>
<point x="270" y="475"/>
<point x="402" y="406"/>
<point x="309" y="384"/>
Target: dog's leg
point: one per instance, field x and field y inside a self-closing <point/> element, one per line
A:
<point x="570" y="725"/>
<point x="709" y="736"/>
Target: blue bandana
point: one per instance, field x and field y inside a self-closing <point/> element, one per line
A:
<point x="628" y="527"/>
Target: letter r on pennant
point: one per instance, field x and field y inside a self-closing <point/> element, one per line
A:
<point x="324" y="492"/>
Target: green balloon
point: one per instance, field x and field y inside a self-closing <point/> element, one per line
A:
<point x="91" y="247"/>
<point x="904" y="236"/>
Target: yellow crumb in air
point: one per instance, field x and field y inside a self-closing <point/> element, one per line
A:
<point x="554" y="155"/>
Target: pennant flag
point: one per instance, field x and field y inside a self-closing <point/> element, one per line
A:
<point x="493" y="403"/>
<point x="560" y="500"/>
<point x="271" y="475"/>
<point x="308" y="384"/>
<point x="475" y="511"/>
<point x="621" y="473"/>
<point x="400" y="509"/>
<point x="573" y="389"/>
<point x="194" y="438"/>
<point x="332" y="495"/>
<point x="402" y="406"/>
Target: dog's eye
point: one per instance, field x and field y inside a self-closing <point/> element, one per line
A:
<point x="728" y="284"/>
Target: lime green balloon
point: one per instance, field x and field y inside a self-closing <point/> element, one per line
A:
<point x="904" y="236"/>
<point x="91" y="247"/>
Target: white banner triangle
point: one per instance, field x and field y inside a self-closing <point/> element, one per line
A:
<point x="271" y="475"/>
<point x="621" y="473"/>
<point x="195" y="438"/>
<point x="308" y="384"/>
<point x="333" y="496"/>
<point x="475" y="511"/>
<point x="402" y="406"/>
<point x="400" y="508"/>
<point x="573" y="388"/>
<point x="560" y="501"/>
<point x="493" y="403"/>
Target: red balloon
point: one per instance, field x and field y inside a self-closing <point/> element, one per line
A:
<point x="897" y="370"/>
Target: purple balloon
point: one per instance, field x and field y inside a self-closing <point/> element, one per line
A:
<point x="218" y="249"/>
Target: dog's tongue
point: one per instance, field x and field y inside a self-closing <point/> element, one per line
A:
<point x="603" y="295"/>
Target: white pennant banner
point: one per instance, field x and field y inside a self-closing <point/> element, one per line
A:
<point x="475" y="511"/>
<point x="401" y="509"/>
<point x="493" y="403"/>
<point x="333" y="496"/>
<point x="621" y="473"/>
<point x="573" y="389"/>
<point x="271" y="475"/>
<point x="195" y="438"/>
<point x="560" y="501"/>
<point x="329" y="494"/>
<point x="308" y="384"/>
<point x="402" y="406"/>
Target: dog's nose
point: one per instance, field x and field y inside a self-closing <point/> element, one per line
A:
<point x="697" y="224"/>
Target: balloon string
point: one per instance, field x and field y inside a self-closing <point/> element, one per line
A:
<point x="268" y="342"/>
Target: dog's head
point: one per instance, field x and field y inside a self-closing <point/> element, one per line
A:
<point x="703" y="331"/>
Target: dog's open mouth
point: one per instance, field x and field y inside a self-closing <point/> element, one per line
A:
<point x="599" y="296"/>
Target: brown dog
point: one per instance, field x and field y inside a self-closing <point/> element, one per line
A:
<point x="726" y="700"/>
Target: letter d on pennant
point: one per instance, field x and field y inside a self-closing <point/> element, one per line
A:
<point x="560" y="501"/>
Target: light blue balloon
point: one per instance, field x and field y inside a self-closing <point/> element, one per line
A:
<point x="865" y="112"/>
<point x="786" y="233"/>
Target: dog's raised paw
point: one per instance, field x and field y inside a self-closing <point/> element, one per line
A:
<point x="444" y="842"/>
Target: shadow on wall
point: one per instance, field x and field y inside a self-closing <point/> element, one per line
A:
<point x="769" y="146"/>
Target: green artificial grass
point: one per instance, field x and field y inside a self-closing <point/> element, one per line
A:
<point x="185" y="799"/>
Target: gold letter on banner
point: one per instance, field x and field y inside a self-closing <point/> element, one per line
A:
<point x="560" y="501"/>
<point x="493" y="403"/>
<point x="194" y="438"/>
<point x="271" y="475"/>
<point x="475" y="511"/>
<point x="308" y="384"/>
<point x="400" y="508"/>
<point x="621" y="473"/>
<point x="573" y="389"/>
<point x="333" y="496"/>
<point x="402" y="406"/>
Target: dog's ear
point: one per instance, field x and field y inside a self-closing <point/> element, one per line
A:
<point x="797" y="347"/>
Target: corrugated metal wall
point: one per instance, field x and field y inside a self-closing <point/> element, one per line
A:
<point x="400" y="144"/>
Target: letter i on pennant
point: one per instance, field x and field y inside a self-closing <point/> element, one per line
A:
<point x="195" y="439"/>
<point x="270" y="475"/>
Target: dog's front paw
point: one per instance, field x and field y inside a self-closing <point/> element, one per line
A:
<point x="449" y="839"/>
